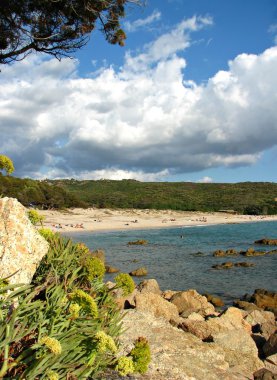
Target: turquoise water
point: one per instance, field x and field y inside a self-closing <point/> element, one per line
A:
<point x="185" y="263"/>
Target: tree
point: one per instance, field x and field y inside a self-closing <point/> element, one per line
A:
<point x="6" y="164"/>
<point x="56" y="27"/>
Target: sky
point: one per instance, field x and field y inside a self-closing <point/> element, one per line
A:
<point x="191" y="97"/>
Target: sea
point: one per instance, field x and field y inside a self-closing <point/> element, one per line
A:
<point x="182" y="258"/>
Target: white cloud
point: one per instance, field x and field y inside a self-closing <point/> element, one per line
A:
<point x="138" y="123"/>
<point x="141" y="23"/>
<point x="205" y="179"/>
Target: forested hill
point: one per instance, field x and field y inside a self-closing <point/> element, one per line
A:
<point x="37" y="193"/>
<point x="247" y="197"/>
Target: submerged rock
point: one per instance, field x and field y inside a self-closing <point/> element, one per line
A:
<point x="139" y="272"/>
<point x="227" y="265"/>
<point x="110" y="269"/>
<point x="266" y="241"/>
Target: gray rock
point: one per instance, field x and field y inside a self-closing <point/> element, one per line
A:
<point x="21" y="246"/>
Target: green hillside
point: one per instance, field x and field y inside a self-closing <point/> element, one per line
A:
<point x="247" y="197"/>
<point x="38" y="193"/>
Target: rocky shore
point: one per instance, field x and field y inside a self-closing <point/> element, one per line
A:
<point x="191" y="339"/>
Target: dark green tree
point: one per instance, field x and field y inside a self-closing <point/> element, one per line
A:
<point x="57" y="27"/>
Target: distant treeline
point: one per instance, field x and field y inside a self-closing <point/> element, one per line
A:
<point x="247" y="198"/>
<point x="37" y="193"/>
<point x="255" y="198"/>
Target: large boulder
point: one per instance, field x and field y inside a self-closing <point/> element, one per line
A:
<point x="265" y="299"/>
<point x="240" y="351"/>
<point x="156" y="305"/>
<point x="149" y="286"/>
<point x="190" y="301"/>
<point x="21" y="246"/>
<point x="229" y="320"/>
<point x="175" y="355"/>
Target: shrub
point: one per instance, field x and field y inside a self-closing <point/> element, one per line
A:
<point x="59" y="326"/>
<point x="125" y="281"/>
<point x="93" y="267"/>
<point x="46" y="233"/>
<point x="35" y="218"/>
<point x="141" y="355"/>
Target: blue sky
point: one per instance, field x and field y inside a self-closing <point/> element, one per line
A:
<point x="191" y="97"/>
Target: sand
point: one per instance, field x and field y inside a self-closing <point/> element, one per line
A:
<point x="93" y="219"/>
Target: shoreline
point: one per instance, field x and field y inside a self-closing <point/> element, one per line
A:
<point x="107" y="220"/>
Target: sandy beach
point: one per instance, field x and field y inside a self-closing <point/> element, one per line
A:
<point x="93" y="219"/>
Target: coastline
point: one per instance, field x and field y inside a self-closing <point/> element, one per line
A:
<point x="105" y="220"/>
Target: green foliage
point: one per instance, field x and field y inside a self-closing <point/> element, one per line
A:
<point x="125" y="282"/>
<point x="57" y="327"/>
<point x="175" y="195"/>
<point x="46" y="233"/>
<point x="93" y="267"/>
<point x="57" y="28"/>
<point x="6" y="164"/>
<point x="35" y="217"/>
<point x="141" y="355"/>
<point x="125" y="366"/>
<point x="38" y="193"/>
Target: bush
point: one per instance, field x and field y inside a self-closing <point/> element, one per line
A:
<point x="35" y="218"/>
<point x="141" y="355"/>
<point x="46" y="233"/>
<point x="125" y="282"/>
<point x="58" y="326"/>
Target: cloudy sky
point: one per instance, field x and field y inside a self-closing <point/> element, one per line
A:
<point x="191" y="97"/>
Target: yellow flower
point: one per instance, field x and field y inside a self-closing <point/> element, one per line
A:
<point x="74" y="309"/>
<point x="51" y="375"/>
<point x="124" y="366"/>
<point x="52" y="344"/>
<point x="85" y="301"/>
<point x="105" y="342"/>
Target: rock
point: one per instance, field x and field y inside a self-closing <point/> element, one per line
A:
<point x="149" y="286"/>
<point x="270" y="348"/>
<point x="190" y="301"/>
<point x="266" y="241"/>
<point x="230" y="320"/>
<point x="219" y="253"/>
<point x="168" y="294"/>
<point x="244" y="305"/>
<point x="139" y="272"/>
<point x="100" y="254"/>
<point x="260" y="317"/>
<point x="244" y="264"/>
<point x="271" y="364"/>
<point x="266" y="329"/>
<point x="110" y="269"/>
<point x="240" y="351"/>
<point x="21" y="246"/>
<point x="175" y="355"/>
<point x="228" y="252"/>
<point x="265" y="299"/>
<point x="227" y="265"/>
<point x="215" y="301"/>
<point x="156" y="305"/>
<point x="264" y="374"/>
<point x="138" y="242"/>
<point x="252" y="252"/>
